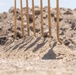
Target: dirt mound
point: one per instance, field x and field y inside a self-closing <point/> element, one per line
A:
<point x="37" y="48"/>
<point x="37" y="55"/>
<point x="67" y="24"/>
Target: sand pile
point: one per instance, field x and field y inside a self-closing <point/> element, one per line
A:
<point x="37" y="47"/>
<point x="24" y="56"/>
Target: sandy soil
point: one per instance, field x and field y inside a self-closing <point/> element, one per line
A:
<point x="51" y="59"/>
<point x="37" y="55"/>
<point x="36" y="67"/>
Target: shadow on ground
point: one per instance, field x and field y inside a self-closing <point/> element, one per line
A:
<point x="50" y="54"/>
<point x="32" y="44"/>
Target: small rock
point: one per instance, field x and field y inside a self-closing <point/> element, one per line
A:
<point x="37" y="10"/>
<point x="11" y="10"/>
<point x="61" y="33"/>
<point x="45" y="15"/>
<point x="19" y="34"/>
<point x="68" y="13"/>
<point x="46" y="32"/>
<point x="52" y="14"/>
<point x="30" y="18"/>
<point x="19" y="17"/>
<point x="10" y="34"/>
<point x="60" y="19"/>
<point x="67" y="42"/>
<point x="3" y="40"/>
<point x="4" y="15"/>
<point x="1" y="27"/>
<point x="37" y="29"/>
<point x="73" y="26"/>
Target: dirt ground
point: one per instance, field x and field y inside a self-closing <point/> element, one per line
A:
<point x="36" y="67"/>
<point x="37" y="55"/>
<point x="51" y="59"/>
